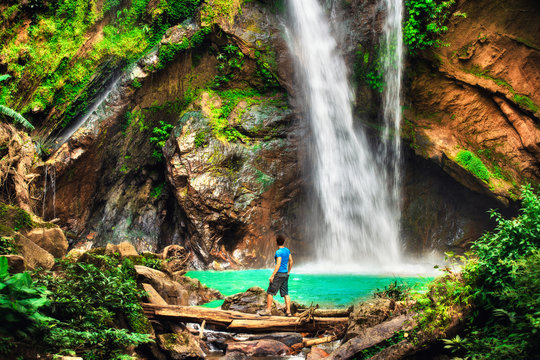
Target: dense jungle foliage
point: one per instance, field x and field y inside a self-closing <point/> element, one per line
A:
<point x="498" y="289"/>
<point x="89" y="308"/>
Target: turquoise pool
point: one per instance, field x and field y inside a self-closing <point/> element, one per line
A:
<point x="327" y="290"/>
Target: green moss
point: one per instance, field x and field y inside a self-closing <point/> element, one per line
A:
<point x="14" y="219"/>
<point x="525" y="102"/>
<point x="60" y="63"/>
<point x="219" y="122"/>
<point x="522" y="100"/>
<point x="473" y="164"/>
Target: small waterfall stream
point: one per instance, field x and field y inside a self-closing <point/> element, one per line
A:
<point x="357" y="227"/>
<point x="49" y="173"/>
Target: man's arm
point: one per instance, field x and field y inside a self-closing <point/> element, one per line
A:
<point x="290" y="264"/>
<point x="278" y="263"/>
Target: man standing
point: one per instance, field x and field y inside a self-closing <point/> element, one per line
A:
<point x="280" y="277"/>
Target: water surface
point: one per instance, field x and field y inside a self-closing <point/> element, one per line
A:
<point x="327" y="290"/>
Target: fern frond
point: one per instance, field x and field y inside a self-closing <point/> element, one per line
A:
<point x="16" y="116"/>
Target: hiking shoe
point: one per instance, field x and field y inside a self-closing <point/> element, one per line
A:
<point x="264" y="313"/>
<point x="288" y="314"/>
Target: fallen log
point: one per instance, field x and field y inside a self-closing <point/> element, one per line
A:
<point x="238" y="321"/>
<point x="329" y="312"/>
<point x="370" y="337"/>
<point x="319" y="341"/>
<point x="282" y="323"/>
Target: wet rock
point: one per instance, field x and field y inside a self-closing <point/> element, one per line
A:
<point x="371" y="313"/>
<point x="52" y="240"/>
<point x="124" y="249"/>
<point x="181" y="346"/>
<point x="287" y="338"/>
<point x="235" y="355"/>
<point x="251" y="301"/>
<point x="15" y="263"/>
<point x="259" y="348"/>
<point x="316" y="353"/>
<point x="33" y="254"/>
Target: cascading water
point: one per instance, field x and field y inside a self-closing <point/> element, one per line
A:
<point x="357" y="229"/>
<point x="51" y="175"/>
<point x="392" y="44"/>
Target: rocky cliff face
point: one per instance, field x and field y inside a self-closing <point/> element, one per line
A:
<point x="228" y="177"/>
<point x="479" y="94"/>
<point x="476" y="95"/>
<point x="223" y="183"/>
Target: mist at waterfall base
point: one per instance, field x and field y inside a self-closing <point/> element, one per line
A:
<point x="353" y="222"/>
<point x="327" y="290"/>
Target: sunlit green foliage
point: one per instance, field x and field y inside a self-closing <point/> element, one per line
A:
<point x="20" y="301"/>
<point x="63" y="60"/>
<point x="473" y="164"/>
<point x="424" y="22"/>
<point x="8" y="246"/>
<point x="502" y="282"/>
<point x="160" y="136"/>
<point x="368" y="68"/>
<point x="88" y="300"/>
<point x="230" y="59"/>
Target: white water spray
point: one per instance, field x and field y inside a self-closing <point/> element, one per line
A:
<point x="358" y="227"/>
<point x="392" y="45"/>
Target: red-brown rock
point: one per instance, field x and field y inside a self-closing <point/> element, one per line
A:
<point x="258" y="348"/>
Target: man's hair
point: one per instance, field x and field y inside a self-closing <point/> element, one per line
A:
<point x="280" y="239"/>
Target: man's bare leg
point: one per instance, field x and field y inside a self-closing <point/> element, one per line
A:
<point x="288" y="303"/>
<point x="269" y="300"/>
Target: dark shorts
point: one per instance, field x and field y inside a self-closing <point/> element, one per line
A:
<point x="281" y="282"/>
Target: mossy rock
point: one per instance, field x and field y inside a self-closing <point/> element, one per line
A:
<point x="13" y="219"/>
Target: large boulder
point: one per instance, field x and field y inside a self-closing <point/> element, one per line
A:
<point x="181" y="346"/>
<point x="124" y="249"/>
<point x="288" y="338"/>
<point x="251" y="301"/>
<point x="52" y="240"/>
<point x="34" y="256"/>
<point x="264" y="347"/>
<point x="173" y="292"/>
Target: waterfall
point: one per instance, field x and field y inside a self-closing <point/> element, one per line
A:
<point x="392" y="56"/>
<point x="94" y="108"/>
<point x="51" y="175"/>
<point x="355" y="227"/>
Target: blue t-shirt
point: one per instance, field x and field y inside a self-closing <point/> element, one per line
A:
<point x="283" y="253"/>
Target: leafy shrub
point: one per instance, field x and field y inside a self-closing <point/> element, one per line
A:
<point x="20" y="300"/>
<point x="502" y="282"/>
<point x="473" y="164"/>
<point x="8" y="246"/>
<point x="395" y="291"/>
<point x="368" y="69"/>
<point x="88" y="300"/>
<point x="161" y="134"/>
<point x="424" y="22"/>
